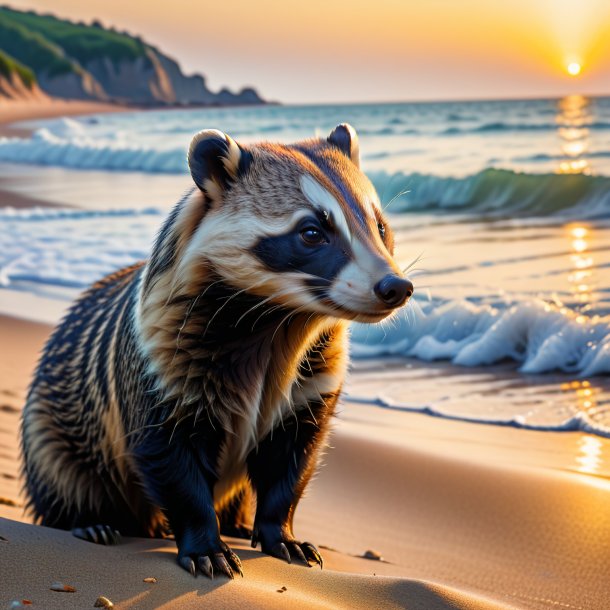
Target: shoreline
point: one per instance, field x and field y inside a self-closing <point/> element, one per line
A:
<point x="17" y="111"/>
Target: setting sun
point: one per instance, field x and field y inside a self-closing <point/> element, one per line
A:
<point x="574" y="69"/>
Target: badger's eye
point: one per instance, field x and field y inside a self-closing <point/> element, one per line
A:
<point x="381" y="228"/>
<point x="312" y="236"/>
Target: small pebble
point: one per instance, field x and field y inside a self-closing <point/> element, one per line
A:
<point x="103" y="602"/>
<point x="373" y="555"/>
<point x="150" y="579"/>
<point x="16" y="605"/>
<point x="8" y="502"/>
<point x="58" y="586"/>
<point x="282" y="590"/>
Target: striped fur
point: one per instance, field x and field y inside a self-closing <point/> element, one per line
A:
<point x="175" y="388"/>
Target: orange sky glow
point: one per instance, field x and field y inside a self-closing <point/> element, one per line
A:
<point x="382" y="50"/>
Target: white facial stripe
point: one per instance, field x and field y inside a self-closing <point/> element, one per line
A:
<point x="323" y="200"/>
<point x="369" y="262"/>
<point x="354" y="286"/>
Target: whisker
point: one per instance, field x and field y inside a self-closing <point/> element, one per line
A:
<point x="413" y="262"/>
<point x="400" y="194"/>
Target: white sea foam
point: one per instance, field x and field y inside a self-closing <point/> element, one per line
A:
<point x="540" y="337"/>
<point x="579" y="422"/>
<point x="71" y="248"/>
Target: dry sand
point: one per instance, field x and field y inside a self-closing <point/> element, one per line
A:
<point x="466" y="516"/>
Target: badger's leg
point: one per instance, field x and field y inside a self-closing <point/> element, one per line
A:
<point x="177" y="466"/>
<point x="236" y="518"/>
<point x="280" y="469"/>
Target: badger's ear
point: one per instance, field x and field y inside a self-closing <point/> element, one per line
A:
<point x="345" y="138"/>
<point x="216" y="161"/>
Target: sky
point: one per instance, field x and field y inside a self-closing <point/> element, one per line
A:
<point x="322" y="51"/>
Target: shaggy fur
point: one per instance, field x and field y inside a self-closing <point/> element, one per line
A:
<point x="178" y="390"/>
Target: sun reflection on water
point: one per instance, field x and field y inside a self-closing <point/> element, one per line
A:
<point x="590" y="458"/>
<point x="574" y="115"/>
<point x="581" y="278"/>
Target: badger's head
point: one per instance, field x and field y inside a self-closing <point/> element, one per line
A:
<point x="299" y="225"/>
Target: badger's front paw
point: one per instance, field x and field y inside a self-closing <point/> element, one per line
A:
<point x="283" y="546"/>
<point x="218" y="558"/>
<point x="98" y="534"/>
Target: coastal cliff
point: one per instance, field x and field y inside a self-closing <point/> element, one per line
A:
<point x="91" y="62"/>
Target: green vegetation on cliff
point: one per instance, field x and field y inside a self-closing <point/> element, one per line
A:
<point x="82" y="42"/>
<point x="10" y="66"/>
<point x="31" y="48"/>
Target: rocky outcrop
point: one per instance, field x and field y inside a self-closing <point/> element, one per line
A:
<point x="140" y="81"/>
<point x="72" y="85"/>
<point x="188" y="89"/>
<point x="246" y="96"/>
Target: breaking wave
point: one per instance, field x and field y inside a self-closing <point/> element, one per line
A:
<point x="538" y="336"/>
<point x="80" y="151"/>
<point x="498" y="191"/>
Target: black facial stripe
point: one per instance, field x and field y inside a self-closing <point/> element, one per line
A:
<point x="288" y="252"/>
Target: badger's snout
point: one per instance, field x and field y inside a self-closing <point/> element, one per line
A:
<point x="393" y="290"/>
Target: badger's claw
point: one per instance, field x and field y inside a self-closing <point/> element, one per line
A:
<point x="234" y="560"/>
<point x="305" y="552"/>
<point x="312" y="554"/>
<point x="205" y="565"/>
<point x="281" y="551"/>
<point x="98" y="534"/>
<point x="220" y="561"/>
<point x="298" y="553"/>
<point x="223" y="565"/>
<point x="188" y="564"/>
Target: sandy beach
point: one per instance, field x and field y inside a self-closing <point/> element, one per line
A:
<point x="464" y="515"/>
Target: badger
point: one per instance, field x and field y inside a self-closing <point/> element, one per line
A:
<point x="191" y="394"/>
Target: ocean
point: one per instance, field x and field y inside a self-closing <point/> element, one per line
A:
<point x="501" y="211"/>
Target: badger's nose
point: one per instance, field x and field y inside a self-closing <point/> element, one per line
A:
<point x="393" y="290"/>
